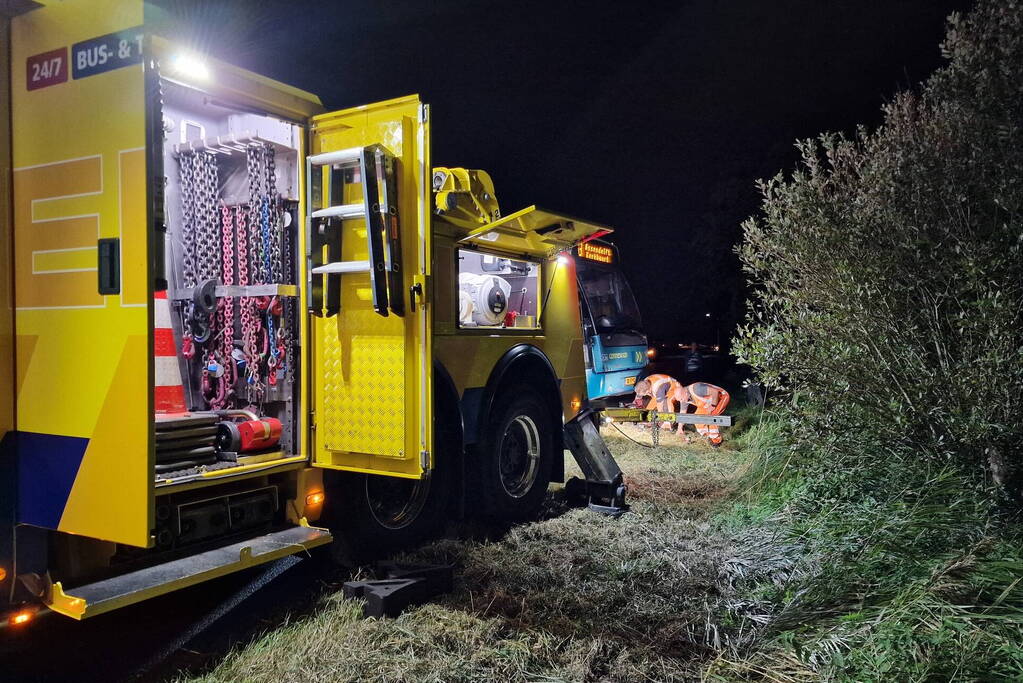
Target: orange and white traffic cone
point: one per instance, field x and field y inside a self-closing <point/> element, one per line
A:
<point x="168" y="391"/>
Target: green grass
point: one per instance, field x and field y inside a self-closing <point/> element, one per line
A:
<point x="737" y="563"/>
<point x="574" y="597"/>
<point x="886" y="572"/>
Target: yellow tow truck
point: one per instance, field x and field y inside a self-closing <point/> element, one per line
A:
<point x="235" y="326"/>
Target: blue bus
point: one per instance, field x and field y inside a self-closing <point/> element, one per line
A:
<point x="615" y="346"/>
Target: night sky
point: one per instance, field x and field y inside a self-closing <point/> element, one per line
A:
<point x="656" y="119"/>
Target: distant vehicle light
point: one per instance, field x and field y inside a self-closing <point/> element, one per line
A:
<point x="190" y="67"/>
<point x="651" y="352"/>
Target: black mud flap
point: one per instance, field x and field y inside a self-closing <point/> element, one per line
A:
<point x="603" y="488"/>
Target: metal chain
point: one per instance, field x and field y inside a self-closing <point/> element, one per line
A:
<point x="252" y="326"/>
<point x="207" y="233"/>
<point x="249" y="318"/>
<point x="186" y="171"/>
<point x="225" y="316"/>
<point x="253" y="157"/>
<point x="275" y="225"/>
<point x="280" y="340"/>
<point x="288" y="321"/>
<point x="254" y="238"/>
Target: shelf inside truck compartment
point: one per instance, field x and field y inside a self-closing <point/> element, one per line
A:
<point x="227" y="470"/>
<point x="187" y="293"/>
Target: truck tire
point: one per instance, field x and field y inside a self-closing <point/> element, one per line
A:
<point x="372" y="516"/>
<point x="514" y="462"/>
<point x="378" y="515"/>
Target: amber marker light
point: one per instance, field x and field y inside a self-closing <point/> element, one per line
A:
<point x="576" y="404"/>
<point x="651" y="352"/>
<point x="21" y="618"/>
<point x="314" y="499"/>
<point x="3" y="573"/>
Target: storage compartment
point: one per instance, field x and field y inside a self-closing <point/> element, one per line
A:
<point x="496" y="292"/>
<point x="226" y="337"/>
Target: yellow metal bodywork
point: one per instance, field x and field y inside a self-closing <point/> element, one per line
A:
<point x="7" y="365"/>
<point x="84" y="367"/>
<point x="465" y="197"/>
<point x="539" y="236"/>
<point x="371" y="375"/>
<point x="470" y="356"/>
<point x="232" y="84"/>
<point x="533" y="231"/>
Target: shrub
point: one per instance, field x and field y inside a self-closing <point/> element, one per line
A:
<point x="888" y="271"/>
<point x="888" y="307"/>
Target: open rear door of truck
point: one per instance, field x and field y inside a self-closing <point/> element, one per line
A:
<point x="368" y="261"/>
<point x="83" y="249"/>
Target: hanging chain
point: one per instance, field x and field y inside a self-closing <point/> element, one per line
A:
<point x="289" y="276"/>
<point x="186" y="169"/>
<point x="275" y="223"/>
<point x="254" y="334"/>
<point x="249" y="318"/>
<point x="207" y="233"/>
<point x="254" y="238"/>
<point x="253" y="158"/>
<point x="225" y="367"/>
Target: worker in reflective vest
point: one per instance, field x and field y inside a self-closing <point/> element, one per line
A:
<point x="660" y="392"/>
<point x="709" y="400"/>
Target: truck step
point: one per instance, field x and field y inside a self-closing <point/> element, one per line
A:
<point x="103" y="596"/>
<point x="342" y="267"/>
<point x="341" y="156"/>
<point x="343" y="211"/>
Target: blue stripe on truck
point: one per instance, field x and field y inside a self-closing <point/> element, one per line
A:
<point x="47" y="467"/>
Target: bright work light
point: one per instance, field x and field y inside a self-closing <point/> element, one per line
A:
<point x="190" y="67"/>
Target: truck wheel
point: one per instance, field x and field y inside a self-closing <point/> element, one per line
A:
<point x="380" y="515"/>
<point x="516" y="457"/>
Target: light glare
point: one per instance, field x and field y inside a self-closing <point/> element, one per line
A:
<point x="190" y="67"/>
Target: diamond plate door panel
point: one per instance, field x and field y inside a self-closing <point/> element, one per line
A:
<point x="363" y="370"/>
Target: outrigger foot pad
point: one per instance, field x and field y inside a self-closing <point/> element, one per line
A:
<point x="405" y="585"/>
<point x="607" y="499"/>
<point x="604" y="488"/>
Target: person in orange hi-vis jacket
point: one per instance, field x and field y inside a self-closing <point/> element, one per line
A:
<point x="709" y="400"/>
<point x="660" y="392"/>
<point x="664" y="393"/>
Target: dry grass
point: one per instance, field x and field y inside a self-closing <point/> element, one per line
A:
<point x="574" y="597"/>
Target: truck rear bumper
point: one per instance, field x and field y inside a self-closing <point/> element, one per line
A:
<point x="120" y="591"/>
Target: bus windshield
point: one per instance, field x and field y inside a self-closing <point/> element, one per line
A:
<point x="609" y="299"/>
